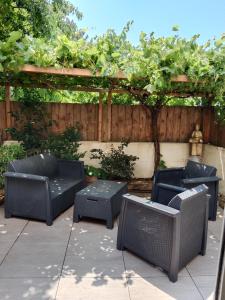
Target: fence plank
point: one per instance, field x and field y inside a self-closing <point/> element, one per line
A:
<point x="2" y="120"/>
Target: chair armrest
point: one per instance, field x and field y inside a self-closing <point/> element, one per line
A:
<point x="179" y="169"/>
<point x="171" y="176"/>
<point x="25" y="176"/>
<point x="165" y="192"/>
<point x="200" y="180"/>
<point x="71" y="168"/>
<point x="148" y="204"/>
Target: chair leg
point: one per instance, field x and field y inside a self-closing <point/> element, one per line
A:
<point x="49" y="222"/>
<point x="119" y="245"/>
<point x="202" y="252"/>
<point x="8" y="215"/>
<point x="109" y="223"/>
<point x="76" y="218"/>
<point x="173" y="276"/>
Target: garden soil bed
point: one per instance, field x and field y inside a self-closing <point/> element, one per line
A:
<point x="2" y="196"/>
<point x="222" y="201"/>
<point x="140" y="185"/>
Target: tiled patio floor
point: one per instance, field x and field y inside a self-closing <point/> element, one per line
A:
<point x="80" y="262"/>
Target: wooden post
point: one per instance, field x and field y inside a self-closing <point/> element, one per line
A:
<point x="109" y="113"/>
<point x="100" y="111"/>
<point x="8" y="105"/>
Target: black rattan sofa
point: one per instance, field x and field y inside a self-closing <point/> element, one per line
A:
<point x="41" y="187"/>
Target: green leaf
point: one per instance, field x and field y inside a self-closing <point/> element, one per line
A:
<point x="14" y="36"/>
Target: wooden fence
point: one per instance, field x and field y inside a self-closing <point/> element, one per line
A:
<point x="116" y="122"/>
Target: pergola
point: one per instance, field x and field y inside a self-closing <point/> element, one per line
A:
<point x="76" y="79"/>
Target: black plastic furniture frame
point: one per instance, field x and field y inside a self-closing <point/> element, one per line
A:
<point x="41" y="187"/>
<point x="190" y="176"/>
<point x="100" y="200"/>
<point x="168" y="236"/>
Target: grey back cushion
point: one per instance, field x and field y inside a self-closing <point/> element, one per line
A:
<point x="42" y="164"/>
<point x="194" y="170"/>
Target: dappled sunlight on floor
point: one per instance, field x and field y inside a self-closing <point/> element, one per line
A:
<point x="69" y="261"/>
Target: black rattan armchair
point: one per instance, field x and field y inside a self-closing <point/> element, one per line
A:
<point x="188" y="177"/>
<point x="168" y="236"/>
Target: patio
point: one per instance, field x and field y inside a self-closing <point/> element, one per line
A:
<point x="80" y="261"/>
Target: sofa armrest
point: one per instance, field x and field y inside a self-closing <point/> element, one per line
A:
<point x="71" y="168"/>
<point x="25" y="176"/>
<point x="28" y="196"/>
<point x="200" y="180"/>
<point x="165" y="192"/>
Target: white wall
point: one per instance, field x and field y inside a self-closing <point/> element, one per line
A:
<point x="215" y="156"/>
<point x="174" y="154"/>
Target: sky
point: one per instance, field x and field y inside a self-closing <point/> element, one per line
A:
<point x="204" y="17"/>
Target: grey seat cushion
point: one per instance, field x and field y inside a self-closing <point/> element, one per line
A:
<point x="59" y="185"/>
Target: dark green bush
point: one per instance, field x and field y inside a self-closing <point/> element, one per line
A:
<point x="116" y="164"/>
<point x="65" y="145"/>
<point x="7" y="154"/>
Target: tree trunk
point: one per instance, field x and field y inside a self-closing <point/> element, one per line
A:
<point x="155" y="135"/>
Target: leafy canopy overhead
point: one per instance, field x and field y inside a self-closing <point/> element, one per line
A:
<point x="39" y="18"/>
<point x="148" y="66"/>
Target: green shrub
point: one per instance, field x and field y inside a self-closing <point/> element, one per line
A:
<point x="65" y="145"/>
<point x="7" y="154"/>
<point x="116" y="164"/>
<point x="162" y="164"/>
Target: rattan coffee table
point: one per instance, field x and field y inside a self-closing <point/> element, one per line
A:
<point x="100" y="200"/>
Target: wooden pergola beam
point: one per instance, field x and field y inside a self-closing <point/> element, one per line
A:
<point x="83" y="73"/>
<point x="66" y="72"/>
<point x="51" y="86"/>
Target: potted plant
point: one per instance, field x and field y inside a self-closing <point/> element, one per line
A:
<point x="7" y="154"/>
<point x="116" y="164"/>
<point x="93" y="173"/>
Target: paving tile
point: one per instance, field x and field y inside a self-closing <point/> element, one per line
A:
<point x="27" y="288"/>
<point x="206" y="285"/>
<point x="33" y="260"/>
<point x="205" y="281"/>
<point x="207" y="293"/>
<point x="92" y="251"/>
<point x="92" y="288"/>
<point x="91" y="266"/>
<point x="38" y="232"/>
<point x="216" y="226"/>
<point x="161" y="288"/>
<point x="137" y="267"/>
<point x="206" y="265"/>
